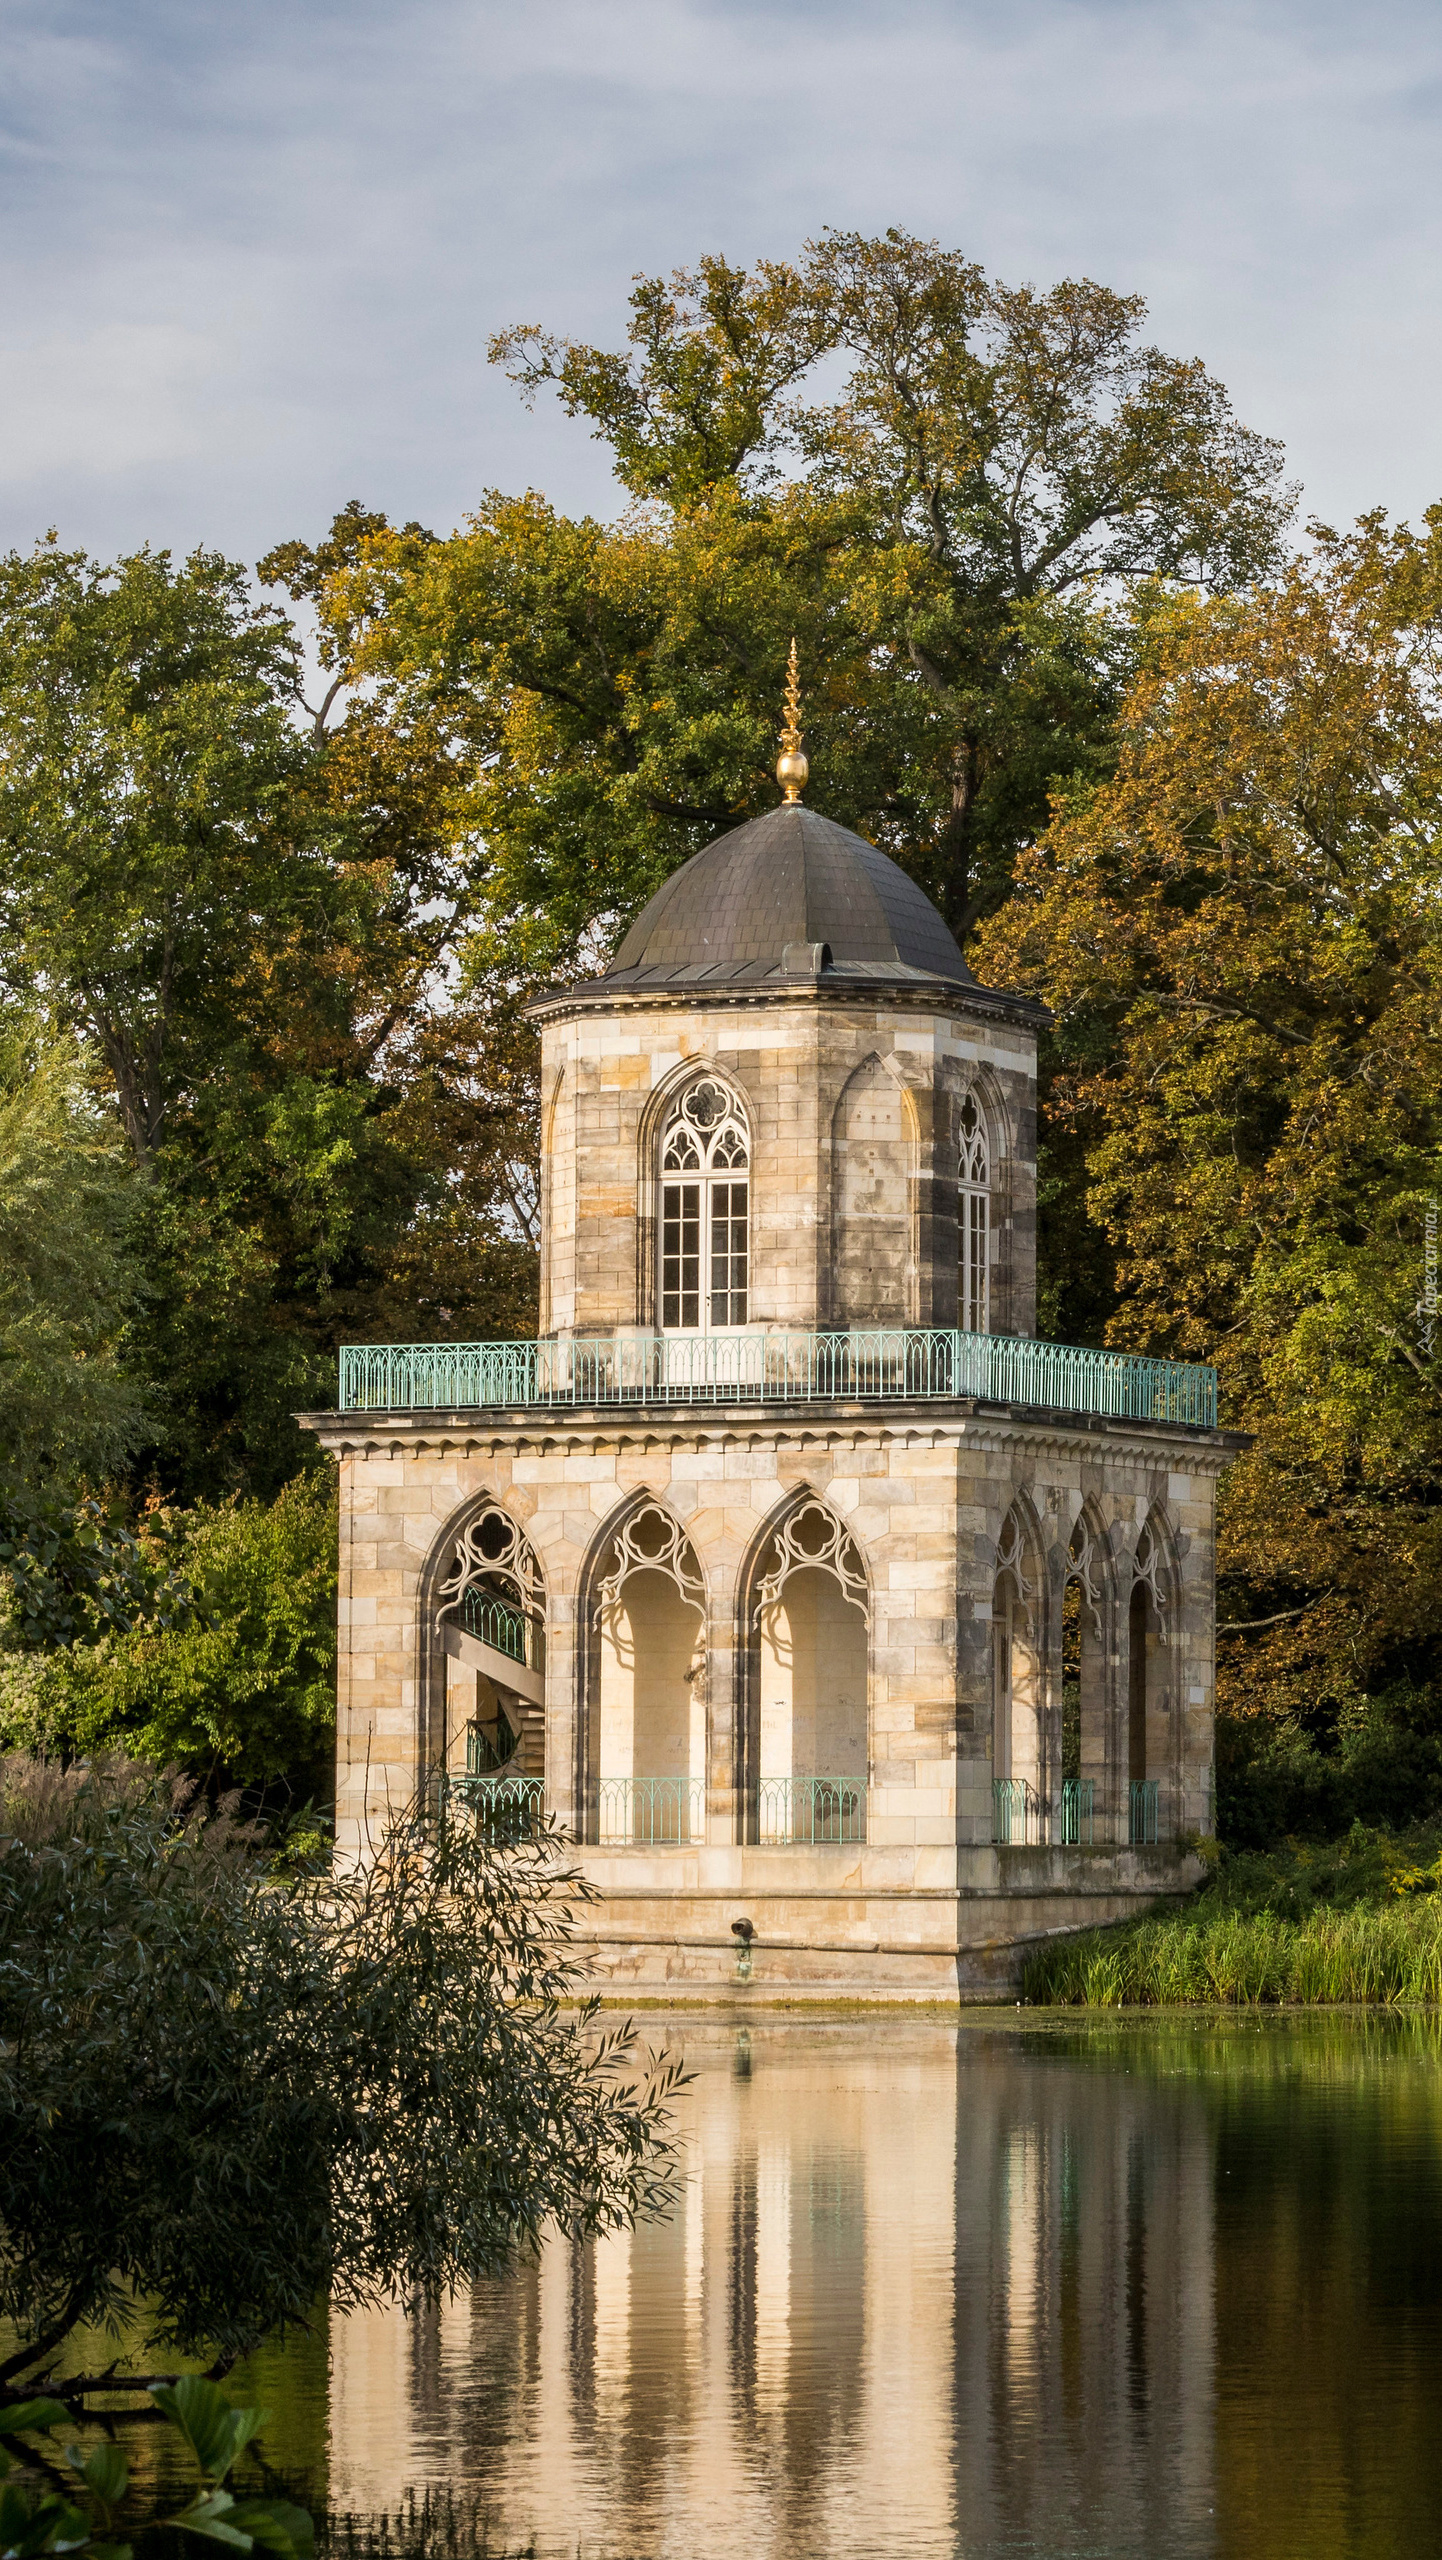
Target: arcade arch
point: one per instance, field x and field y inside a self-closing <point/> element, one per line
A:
<point x="647" y="1719"/>
<point x="1018" y="1760"/>
<point x="488" y="1617"/>
<point x="807" y="1616"/>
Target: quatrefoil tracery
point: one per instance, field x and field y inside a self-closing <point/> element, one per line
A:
<point x="705" y="1132"/>
<point x="813" y="1536"/>
<point x="651" y="1541"/>
<point x="493" y="1552"/>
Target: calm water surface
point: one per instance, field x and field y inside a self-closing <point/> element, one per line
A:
<point x="1164" y="2286"/>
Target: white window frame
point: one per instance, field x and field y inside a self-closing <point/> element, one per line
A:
<point x="973" y="1219"/>
<point x="705" y="1151"/>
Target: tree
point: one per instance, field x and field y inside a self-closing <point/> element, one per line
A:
<point x="241" y="1686"/>
<point x="1241" y="928"/>
<point x="997" y="462"/>
<point x="221" y="2095"/>
<point x="150" y="782"/>
<point x="243" y="921"/>
<point x="69" y="1281"/>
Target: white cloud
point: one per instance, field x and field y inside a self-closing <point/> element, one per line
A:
<point x="249" y="258"/>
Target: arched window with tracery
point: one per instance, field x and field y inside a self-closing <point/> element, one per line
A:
<point x="705" y="1212"/>
<point x="973" y="1219"/>
<point x="491" y="1622"/>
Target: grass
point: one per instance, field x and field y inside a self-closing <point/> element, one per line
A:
<point x="1357" y="1921"/>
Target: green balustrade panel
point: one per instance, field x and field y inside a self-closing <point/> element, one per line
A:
<point x="494" y="1622"/>
<point x="1142" y="1823"/>
<point x="775" y="1368"/>
<point x="810" y="1813"/>
<point x="1015" y="1814"/>
<point x="1077" y="1797"/>
<point x="650" y="1813"/>
<point x="505" y="1810"/>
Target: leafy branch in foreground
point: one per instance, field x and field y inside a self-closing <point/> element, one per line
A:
<point x="86" y="2517"/>
<point x="223" y="2093"/>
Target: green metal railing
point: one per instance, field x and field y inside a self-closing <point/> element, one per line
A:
<point x="1142" y="1813"/>
<point x="495" y="1622"/>
<point x="505" y="1809"/>
<point x="651" y="1813"/>
<point x="775" y="1368"/>
<point x="484" y="1757"/>
<point x="810" y="1812"/>
<point x="1015" y="1813"/>
<point x="1077" y="1797"/>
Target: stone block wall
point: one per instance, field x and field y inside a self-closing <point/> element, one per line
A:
<point x="924" y="1495"/>
<point x="852" y="1104"/>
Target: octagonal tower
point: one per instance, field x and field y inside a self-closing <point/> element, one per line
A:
<point x="874" y="1107"/>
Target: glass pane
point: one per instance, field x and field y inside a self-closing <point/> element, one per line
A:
<point x="680" y="1256"/>
<point x="972" y="1310"/>
<point x="728" y="1253"/>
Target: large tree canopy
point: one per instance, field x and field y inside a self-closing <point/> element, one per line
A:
<point x="991" y="461"/>
<point x="1242" y="932"/>
<point x="949" y="536"/>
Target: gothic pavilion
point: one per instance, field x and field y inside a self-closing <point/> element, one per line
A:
<point x="855" y="1637"/>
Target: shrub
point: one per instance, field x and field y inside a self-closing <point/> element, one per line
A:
<point x="222" y="2093"/>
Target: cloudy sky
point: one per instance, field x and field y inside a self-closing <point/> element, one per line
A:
<point x="253" y="249"/>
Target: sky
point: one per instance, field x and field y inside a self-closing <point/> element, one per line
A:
<point x="252" y="253"/>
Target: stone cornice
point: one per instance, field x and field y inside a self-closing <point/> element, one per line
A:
<point x="963" y="1424"/>
<point x="977" y="1004"/>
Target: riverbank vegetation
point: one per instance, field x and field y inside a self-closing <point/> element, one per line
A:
<point x="264" y="1078"/>
<point x="1359" y="1921"/>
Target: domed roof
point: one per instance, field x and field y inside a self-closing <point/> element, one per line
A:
<point x="788" y="895"/>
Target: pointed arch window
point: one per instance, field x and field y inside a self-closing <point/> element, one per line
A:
<point x="973" y="1220"/>
<point x="705" y="1213"/>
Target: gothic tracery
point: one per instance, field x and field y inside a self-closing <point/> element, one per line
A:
<point x="813" y="1536"/>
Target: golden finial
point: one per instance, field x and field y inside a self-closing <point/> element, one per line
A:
<point x="791" y="765"/>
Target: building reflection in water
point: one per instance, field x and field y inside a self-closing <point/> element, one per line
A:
<point x="1085" y="2305"/>
<point x="927" y="2291"/>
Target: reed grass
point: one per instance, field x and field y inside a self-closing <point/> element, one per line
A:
<point x="1367" y="1955"/>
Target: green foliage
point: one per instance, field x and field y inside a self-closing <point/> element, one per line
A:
<point x="1357" y="1920"/>
<point x="1239" y="933"/>
<point x="947" y="539"/>
<point x="245" y="1681"/>
<point x="89" y="2519"/>
<point x="68" y="1275"/>
<point x="222" y="2094"/>
<point x="77" y="1571"/>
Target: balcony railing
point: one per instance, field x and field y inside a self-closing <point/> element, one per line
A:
<point x="775" y="1368"/>
<point x="1015" y="1813"/>
<point x="495" y="1622"/>
<point x="1018" y="1814"/>
<point x="503" y="1809"/>
<point x="651" y="1813"/>
<point x="1077" y="1797"/>
<point x="818" y="1813"/>
<point x="1142" y="1825"/>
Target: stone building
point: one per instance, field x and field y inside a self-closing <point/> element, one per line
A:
<point x="855" y="1637"/>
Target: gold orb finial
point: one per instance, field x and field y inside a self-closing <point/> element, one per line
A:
<point x="791" y="765"/>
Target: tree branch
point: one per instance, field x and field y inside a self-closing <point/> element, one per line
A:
<point x="1244" y="1626"/>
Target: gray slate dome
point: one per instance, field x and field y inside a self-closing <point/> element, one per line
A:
<point x="788" y="895"/>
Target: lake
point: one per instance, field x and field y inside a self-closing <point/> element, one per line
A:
<point x="1069" y="2285"/>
